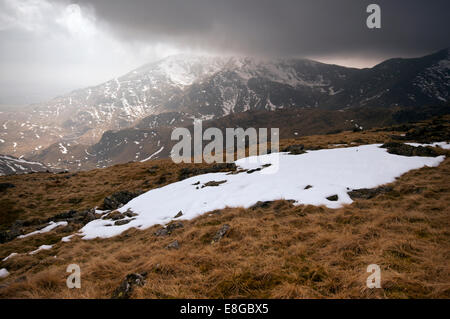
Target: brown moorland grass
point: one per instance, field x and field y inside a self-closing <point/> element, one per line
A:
<point x="281" y="251"/>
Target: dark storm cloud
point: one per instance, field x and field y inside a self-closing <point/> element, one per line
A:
<point x="283" y="27"/>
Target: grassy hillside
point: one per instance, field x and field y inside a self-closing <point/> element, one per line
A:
<point x="275" y="250"/>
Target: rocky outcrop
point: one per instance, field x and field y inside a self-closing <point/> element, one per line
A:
<point x="165" y="231"/>
<point x="173" y="245"/>
<point x="219" y="167"/>
<point x="127" y="286"/>
<point x="295" y="149"/>
<point x="221" y="233"/>
<point x="368" y="193"/>
<point x="408" y="150"/>
<point x="119" y="199"/>
<point x="333" y="198"/>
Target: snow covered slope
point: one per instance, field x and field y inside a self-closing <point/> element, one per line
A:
<point x="311" y="178"/>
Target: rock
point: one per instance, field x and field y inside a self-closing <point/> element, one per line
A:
<point x="308" y="187"/>
<point x="165" y="231"/>
<point x="125" y="289"/>
<point x="129" y="213"/>
<point x="72" y="216"/>
<point x="213" y="183"/>
<point x="333" y="198"/>
<point x="122" y="222"/>
<point x="408" y="150"/>
<point x="115" y="215"/>
<point x="173" y="245"/>
<point x="367" y="193"/>
<point x="221" y="233"/>
<point x="295" y="149"/>
<point x="162" y="232"/>
<point x="5" y="186"/>
<point x="260" y="204"/>
<point x="173" y="226"/>
<point x="180" y="213"/>
<point x="89" y="216"/>
<point x="119" y="198"/>
<point x="218" y="167"/>
<point x="64" y="215"/>
<point x="10" y="234"/>
<point x="250" y="171"/>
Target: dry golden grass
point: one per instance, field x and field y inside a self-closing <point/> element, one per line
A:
<point x="282" y="251"/>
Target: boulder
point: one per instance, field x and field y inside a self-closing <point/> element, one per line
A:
<point x="165" y="231"/>
<point x="122" y="222"/>
<point x="173" y="245"/>
<point x="213" y="183"/>
<point x="180" y="213"/>
<point x="260" y="204"/>
<point x="368" y="193"/>
<point x="295" y="149"/>
<point x="218" y="167"/>
<point x="126" y="287"/>
<point x="119" y="198"/>
<point x="333" y="198"/>
<point x="408" y="150"/>
<point x="221" y="233"/>
<point x="115" y="215"/>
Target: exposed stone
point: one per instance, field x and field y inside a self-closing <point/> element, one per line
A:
<point x="125" y="289"/>
<point x="180" y="213"/>
<point x="219" y="167"/>
<point x="213" y="183"/>
<point x="221" y="233"/>
<point x="295" y="149"/>
<point x="367" y="193"/>
<point x="173" y="226"/>
<point x="260" y="204"/>
<point x="122" y="222"/>
<point x="115" y="215"/>
<point x="308" y="187"/>
<point x="9" y="234"/>
<point x="129" y="213"/>
<point x="173" y="245"/>
<point x="162" y="232"/>
<point x="165" y="231"/>
<point x="119" y="198"/>
<point x="333" y="198"/>
<point x="408" y="150"/>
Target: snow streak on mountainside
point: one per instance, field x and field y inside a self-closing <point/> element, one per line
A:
<point x="12" y="165"/>
<point x="321" y="177"/>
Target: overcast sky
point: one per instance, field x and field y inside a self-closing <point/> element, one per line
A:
<point x="52" y="47"/>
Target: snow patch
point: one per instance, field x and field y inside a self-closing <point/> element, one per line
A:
<point x="329" y="171"/>
<point x="51" y="226"/>
<point x="4" y="273"/>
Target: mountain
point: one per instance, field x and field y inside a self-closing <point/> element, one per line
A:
<point x="174" y="91"/>
<point x="151" y="137"/>
<point x="12" y="165"/>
